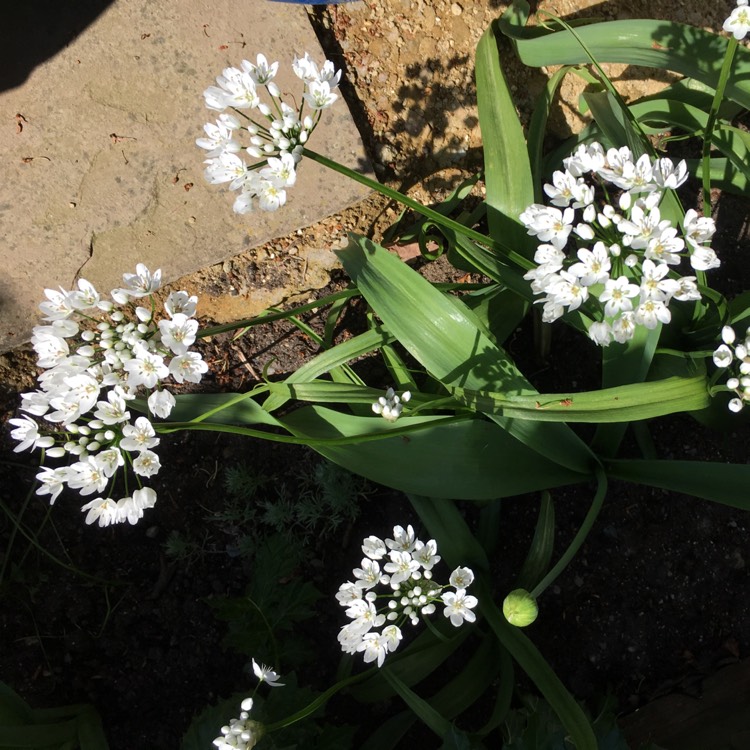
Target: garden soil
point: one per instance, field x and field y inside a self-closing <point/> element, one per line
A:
<point x="656" y="601"/>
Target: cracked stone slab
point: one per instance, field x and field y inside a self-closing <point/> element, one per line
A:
<point x="100" y="163"/>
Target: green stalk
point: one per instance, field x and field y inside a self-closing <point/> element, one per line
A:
<point x="319" y="702"/>
<point x="579" y="538"/>
<point x="712" y="116"/>
<point x="430" y="213"/>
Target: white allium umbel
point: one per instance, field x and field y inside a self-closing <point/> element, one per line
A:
<point x="738" y="22"/>
<point x="394" y="586"/>
<point x="391" y="405"/>
<point x="271" y="133"/>
<point x="242" y="733"/>
<point x="99" y="353"/>
<point x="605" y="245"/>
<point x="734" y="356"/>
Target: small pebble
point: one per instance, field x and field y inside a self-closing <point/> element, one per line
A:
<point x="456" y="9"/>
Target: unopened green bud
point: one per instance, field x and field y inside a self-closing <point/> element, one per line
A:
<point x="520" y="608"/>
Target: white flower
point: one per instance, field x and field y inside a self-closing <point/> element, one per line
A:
<point x="147" y="464"/>
<point x="425" y="553"/>
<point x="374" y="548"/>
<point x="103" y="510"/>
<point x="266" y="674"/>
<point x="348" y="592"/>
<point x="723" y="356"/>
<point x="458" y="607"/>
<point x="600" y="333"/>
<point x="261" y="72"/>
<point x="220" y="136"/>
<point x="52" y="481"/>
<point x="593" y="266"/>
<point x="188" y="367"/>
<point x="651" y="312"/>
<point x="142" y="282"/>
<point x="654" y="285"/>
<point x="738" y="22"/>
<point x="404" y="539"/>
<point x="401" y="567"/>
<point x="87" y="476"/>
<point x="698" y="229"/>
<point x="368" y="576"/>
<point x="139" y="437"/>
<point x="27" y="433"/>
<point x="226" y="167"/>
<point x="180" y="302"/>
<point x="704" y="259"/>
<point x="617" y="295"/>
<point x="623" y="327"/>
<point x="669" y="176"/>
<point x="178" y="333"/>
<point x="146" y="368"/>
<point x="375" y="647"/>
<point x="461" y="578"/>
<point x="161" y="403"/>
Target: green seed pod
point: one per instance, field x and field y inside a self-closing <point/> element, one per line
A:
<point x="520" y="608"/>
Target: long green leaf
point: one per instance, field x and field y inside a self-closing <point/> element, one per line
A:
<point x="327" y="360"/>
<point x="621" y="404"/>
<point x="439" y="725"/>
<point x="506" y="160"/>
<point x="443" y="337"/>
<point x="471" y="459"/>
<point x="650" y="43"/>
<point x="722" y="483"/>
<point x="540" y="551"/>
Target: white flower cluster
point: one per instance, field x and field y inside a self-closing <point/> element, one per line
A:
<point x="738" y="22"/>
<point x="243" y="733"/>
<point x="276" y="135"/>
<point x="411" y="592"/>
<point x="736" y="355"/>
<point x="626" y="255"/>
<point x="391" y="405"/>
<point x="97" y="355"/>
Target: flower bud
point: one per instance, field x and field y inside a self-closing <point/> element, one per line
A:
<point x="520" y="608"/>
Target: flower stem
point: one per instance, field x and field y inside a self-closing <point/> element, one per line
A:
<point x="320" y="701"/>
<point x="580" y="537"/>
<point x="429" y="213"/>
<point x="712" y="116"/>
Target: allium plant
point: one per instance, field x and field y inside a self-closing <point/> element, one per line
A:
<point x="605" y="211"/>
<point x="272" y="134"/>
<point x="398" y="592"/>
<point x="97" y="355"/>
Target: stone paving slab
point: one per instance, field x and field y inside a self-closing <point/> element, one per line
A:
<point x="98" y="148"/>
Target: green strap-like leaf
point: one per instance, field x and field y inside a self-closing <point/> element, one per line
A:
<point x="442" y="335"/>
<point x="507" y="170"/>
<point x="625" y="403"/>
<point x="653" y="44"/>
<point x="723" y="483"/>
<point x="472" y="459"/>
<point x="437" y="723"/>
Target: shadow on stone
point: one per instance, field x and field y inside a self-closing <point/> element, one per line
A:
<point x="37" y="30"/>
